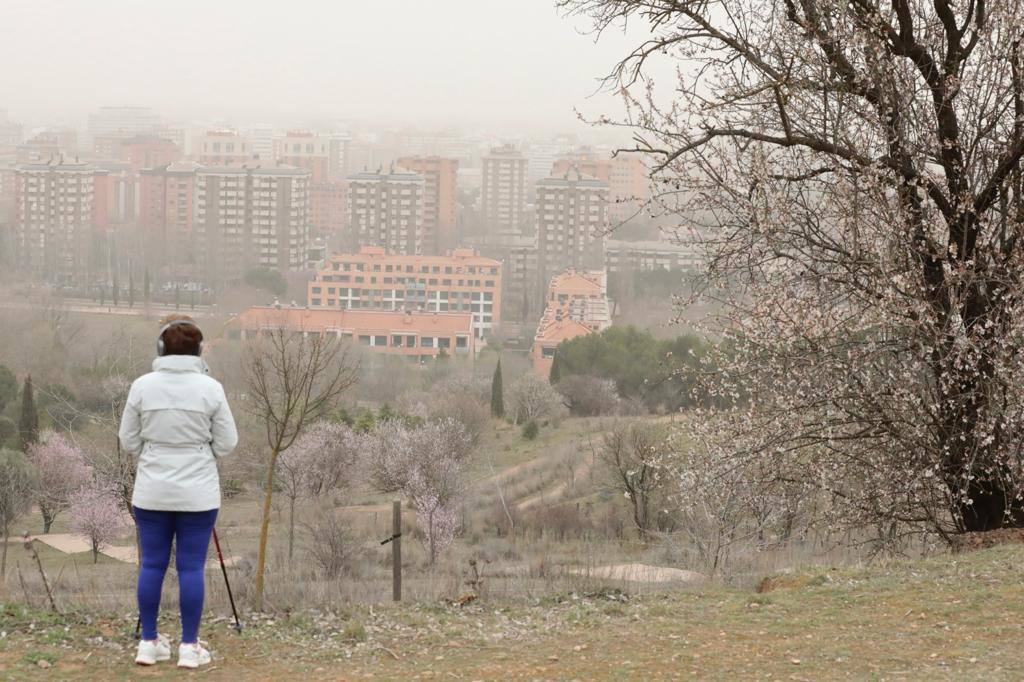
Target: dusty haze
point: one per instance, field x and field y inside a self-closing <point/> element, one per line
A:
<point x="449" y="61"/>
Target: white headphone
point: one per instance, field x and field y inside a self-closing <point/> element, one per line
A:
<point x="161" y="348"/>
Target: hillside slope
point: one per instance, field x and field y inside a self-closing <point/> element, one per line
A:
<point x="948" y="617"/>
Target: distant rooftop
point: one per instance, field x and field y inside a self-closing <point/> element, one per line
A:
<point x="467" y="256"/>
<point x="373" y="321"/>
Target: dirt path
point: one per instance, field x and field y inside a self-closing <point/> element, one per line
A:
<point x="559" y="490"/>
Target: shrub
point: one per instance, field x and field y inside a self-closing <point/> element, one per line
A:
<point x="588" y="396"/>
<point x="8" y="431"/>
<point x="531" y="430"/>
<point x="231" y="487"/>
<point x="330" y="544"/>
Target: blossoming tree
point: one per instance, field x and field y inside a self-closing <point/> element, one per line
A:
<point x="98" y="516"/>
<point x="60" y="470"/>
<point x="852" y="170"/>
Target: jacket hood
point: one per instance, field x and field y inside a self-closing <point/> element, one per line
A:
<point x="180" y="363"/>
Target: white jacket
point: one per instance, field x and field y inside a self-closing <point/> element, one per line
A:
<point x="177" y="422"/>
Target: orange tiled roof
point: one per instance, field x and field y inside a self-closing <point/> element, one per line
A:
<point x="576" y="280"/>
<point x="557" y="331"/>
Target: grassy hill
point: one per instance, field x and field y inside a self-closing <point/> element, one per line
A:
<point x="947" y="617"/>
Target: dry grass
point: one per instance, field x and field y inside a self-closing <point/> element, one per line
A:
<point x="948" y="617"/>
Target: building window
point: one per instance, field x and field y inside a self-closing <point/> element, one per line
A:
<point x="427" y="342"/>
<point x="410" y="342"/>
<point x="380" y="341"/>
<point x="364" y="340"/>
<point x="444" y="342"/>
<point x="396" y="340"/>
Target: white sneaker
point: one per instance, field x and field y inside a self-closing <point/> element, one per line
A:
<point x="192" y="655"/>
<point x="151" y="651"/>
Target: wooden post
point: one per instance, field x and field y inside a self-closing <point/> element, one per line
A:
<point x="396" y="551"/>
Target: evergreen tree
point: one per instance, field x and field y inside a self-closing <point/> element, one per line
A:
<point x="555" y="375"/>
<point x="28" y="427"/>
<point x="145" y="287"/>
<point x="131" y="290"/>
<point x="497" y="394"/>
<point x="8" y="387"/>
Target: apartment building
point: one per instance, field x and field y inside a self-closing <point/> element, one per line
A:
<point x="418" y="336"/>
<point x="386" y="210"/>
<point x="56" y="218"/>
<point x="577" y="305"/>
<point x="329" y="206"/>
<point x="251" y="216"/>
<point x="372" y="279"/>
<point x="339" y="148"/>
<point x="11" y="132"/>
<point x="623" y="256"/>
<point x="439" y="200"/>
<point x="305" y="150"/>
<point x="222" y="148"/>
<point x="131" y="120"/>
<point x="626" y="175"/>
<point x="503" y="191"/>
<point x="572" y="220"/>
<point x="42" y="148"/>
<point x="148" y="151"/>
<point x="167" y="195"/>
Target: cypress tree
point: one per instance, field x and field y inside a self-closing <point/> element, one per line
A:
<point x="28" y="427"/>
<point x="555" y="375"/>
<point x="497" y="394"/>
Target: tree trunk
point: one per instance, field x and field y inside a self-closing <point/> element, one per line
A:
<point x="430" y="531"/>
<point x="987" y="505"/>
<point x="47" y="522"/>
<point x="261" y="556"/>
<point x="291" y="527"/>
<point x="3" y="559"/>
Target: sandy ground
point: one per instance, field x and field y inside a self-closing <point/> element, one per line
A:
<point x="641" y="573"/>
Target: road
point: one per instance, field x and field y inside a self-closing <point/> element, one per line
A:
<point x="91" y="307"/>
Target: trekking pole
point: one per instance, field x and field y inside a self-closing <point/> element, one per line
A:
<point x="224" y="570"/>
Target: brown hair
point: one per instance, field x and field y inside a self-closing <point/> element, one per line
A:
<point x="181" y="339"/>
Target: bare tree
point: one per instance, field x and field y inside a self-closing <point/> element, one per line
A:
<point x="532" y="398"/>
<point x="631" y="455"/>
<point x="853" y="171"/>
<point x="293" y="378"/>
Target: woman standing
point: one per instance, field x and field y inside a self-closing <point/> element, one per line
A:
<point x="177" y="423"/>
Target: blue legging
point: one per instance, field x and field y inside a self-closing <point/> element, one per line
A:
<point x="190" y="532"/>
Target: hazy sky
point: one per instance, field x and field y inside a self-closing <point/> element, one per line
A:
<point x="432" y="61"/>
